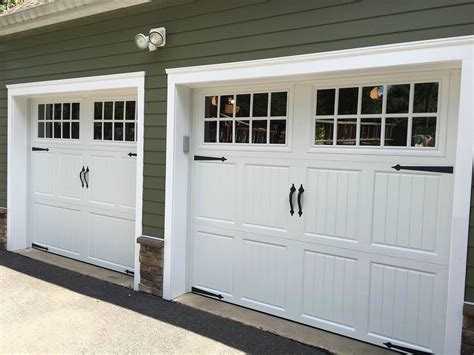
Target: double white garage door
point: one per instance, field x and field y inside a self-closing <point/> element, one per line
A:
<point x="83" y="172"/>
<point x="332" y="205"/>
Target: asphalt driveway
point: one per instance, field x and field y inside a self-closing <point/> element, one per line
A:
<point x="44" y="308"/>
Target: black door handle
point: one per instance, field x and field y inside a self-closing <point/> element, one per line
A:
<point x="300" y="193"/>
<point x="80" y="176"/>
<point x="86" y="175"/>
<point x="292" y="191"/>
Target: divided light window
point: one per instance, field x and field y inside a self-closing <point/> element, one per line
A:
<point x="387" y="115"/>
<point x="59" y="120"/>
<point x="248" y="118"/>
<point x="115" y="121"/>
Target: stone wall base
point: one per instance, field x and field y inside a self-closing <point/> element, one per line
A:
<point x="3" y="229"/>
<point x="468" y="330"/>
<point x="151" y="265"/>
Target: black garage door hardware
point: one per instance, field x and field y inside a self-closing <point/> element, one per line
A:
<point x="132" y="154"/>
<point x="129" y="272"/>
<point x="37" y="246"/>
<point x="436" y="169"/>
<point x="405" y="349"/>
<point x="83" y="176"/>
<point x="36" y="149"/>
<point x="201" y="292"/>
<point x="200" y="157"/>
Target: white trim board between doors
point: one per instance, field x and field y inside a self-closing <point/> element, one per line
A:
<point x="450" y="53"/>
<point x="18" y="143"/>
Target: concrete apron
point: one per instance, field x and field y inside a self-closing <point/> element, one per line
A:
<point x="334" y="343"/>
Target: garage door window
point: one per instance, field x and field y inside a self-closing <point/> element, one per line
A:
<point x="249" y="118"/>
<point x="115" y="121"/>
<point x="387" y="115"/>
<point x="58" y="120"/>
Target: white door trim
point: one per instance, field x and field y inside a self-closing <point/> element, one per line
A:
<point x="432" y="54"/>
<point x="18" y="161"/>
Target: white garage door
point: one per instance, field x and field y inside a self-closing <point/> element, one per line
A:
<point x="83" y="169"/>
<point x="334" y="204"/>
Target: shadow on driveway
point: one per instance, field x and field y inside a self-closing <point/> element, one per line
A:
<point x="226" y="331"/>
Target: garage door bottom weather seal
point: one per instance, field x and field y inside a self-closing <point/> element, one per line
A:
<point x="405" y="349"/>
<point x="37" y="246"/>
<point x="201" y="292"/>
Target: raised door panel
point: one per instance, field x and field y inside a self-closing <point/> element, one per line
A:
<point x="102" y="180"/>
<point x="45" y="175"/>
<point x="68" y="179"/>
<point x="127" y="181"/>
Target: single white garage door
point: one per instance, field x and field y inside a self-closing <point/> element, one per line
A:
<point x="83" y="172"/>
<point x="329" y="202"/>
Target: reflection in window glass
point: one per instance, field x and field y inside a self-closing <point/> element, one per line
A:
<point x="49" y="130"/>
<point x="57" y="111"/>
<point x="41" y="130"/>
<point x="426" y="97"/>
<point x="57" y="129"/>
<point x="242" y="131"/>
<point x="260" y="105"/>
<point x="75" y="111"/>
<point x="108" y="131"/>
<point x="277" y="131"/>
<point x="324" y="132"/>
<point x="259" y="132"/>
<point x="370" y="131"/>
<point x="225" y="131"/>
<point x="372" y="99"/>
<point x="348" y="98"/>
<point x="118" y="131"/>
<point x="49" y="111"/>
<point x="398" y="98"/>
<point x="210" y="107"/>
<point x="75" y="130"/>
<point x="396" y="131"/>
<point x="346" y="131"/>
<point x="278" y="104"/>
<point x="66" y="111"/>
<point x="227" y="106"/>
<point x="66" y="130"/>
<point x="210" y="131"/>
<point x="98" y="110"/>
<point x="423" y="132"/>
<point x="130" y="132"/>
<point x="130" y="110"/>
<point x="243" y="106"/>
<point x="98" y="131"/>
<point x="325" y="102"/>
<point x="108" y="110"/>
<point x="40" y="112"/>
<point x="119" y="107"/>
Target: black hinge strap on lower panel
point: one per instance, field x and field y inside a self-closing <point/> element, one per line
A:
<point x="405" y="349"/>
<point x="436" y="169"/>
<point x="129" y="272"/>
<point x="206" y="293"/>
<point x="201" y="157"/>
<point x="36" y="149"/>
<point x="132" y="154"/>
<point x="37" y="246"/>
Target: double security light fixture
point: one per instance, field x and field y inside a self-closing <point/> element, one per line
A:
<point x="156" y="38"/>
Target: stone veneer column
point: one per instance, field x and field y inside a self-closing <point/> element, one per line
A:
<point x="151" y="265"/>
<point x="3" y="228"/>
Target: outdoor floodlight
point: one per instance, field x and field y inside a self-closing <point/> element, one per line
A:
<point x="156" y="38"/>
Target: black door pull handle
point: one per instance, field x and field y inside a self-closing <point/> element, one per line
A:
<point x="300" y="193"/>
<point x="80" y="176"/>
<point x="292" y="191"/>
<point x="86" y="175"/>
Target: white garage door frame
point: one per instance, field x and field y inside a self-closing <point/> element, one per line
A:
<point x="18" y="142"/>
<point x="452" y="53"/>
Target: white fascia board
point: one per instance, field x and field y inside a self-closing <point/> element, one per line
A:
<point x="58" y="11"/>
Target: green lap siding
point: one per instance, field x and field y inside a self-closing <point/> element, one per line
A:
<point x="207" y="32"/>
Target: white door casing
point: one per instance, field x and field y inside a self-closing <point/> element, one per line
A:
<point x="88" y="216"/>
<point x="368" y="258"/>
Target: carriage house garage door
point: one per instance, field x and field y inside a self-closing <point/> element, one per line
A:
<point x="82" y="185"/>
<point x="324" y="211"/>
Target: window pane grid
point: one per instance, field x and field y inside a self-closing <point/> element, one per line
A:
<point x="57" y="121"/>
<point x="246" y="118"/>
<point x="115" y="121"/>
<point x="352" y="127"/>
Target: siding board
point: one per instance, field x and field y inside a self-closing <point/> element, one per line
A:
<point x="207" y="32"/>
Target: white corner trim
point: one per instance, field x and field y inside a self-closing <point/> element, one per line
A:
<point x="54" y="11"/>
<point x="457" y="52"/>
<point x="18" y="96"/>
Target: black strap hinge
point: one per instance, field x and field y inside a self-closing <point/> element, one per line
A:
<point x="405" y="349"/>
<point x="129" y="272"/>
<point x="206" y="293"/>
<point x="201" y="157"/>
<point x="132" y="154"/>
<point x="36" y="149"/>
<point x="436" y="169"/>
